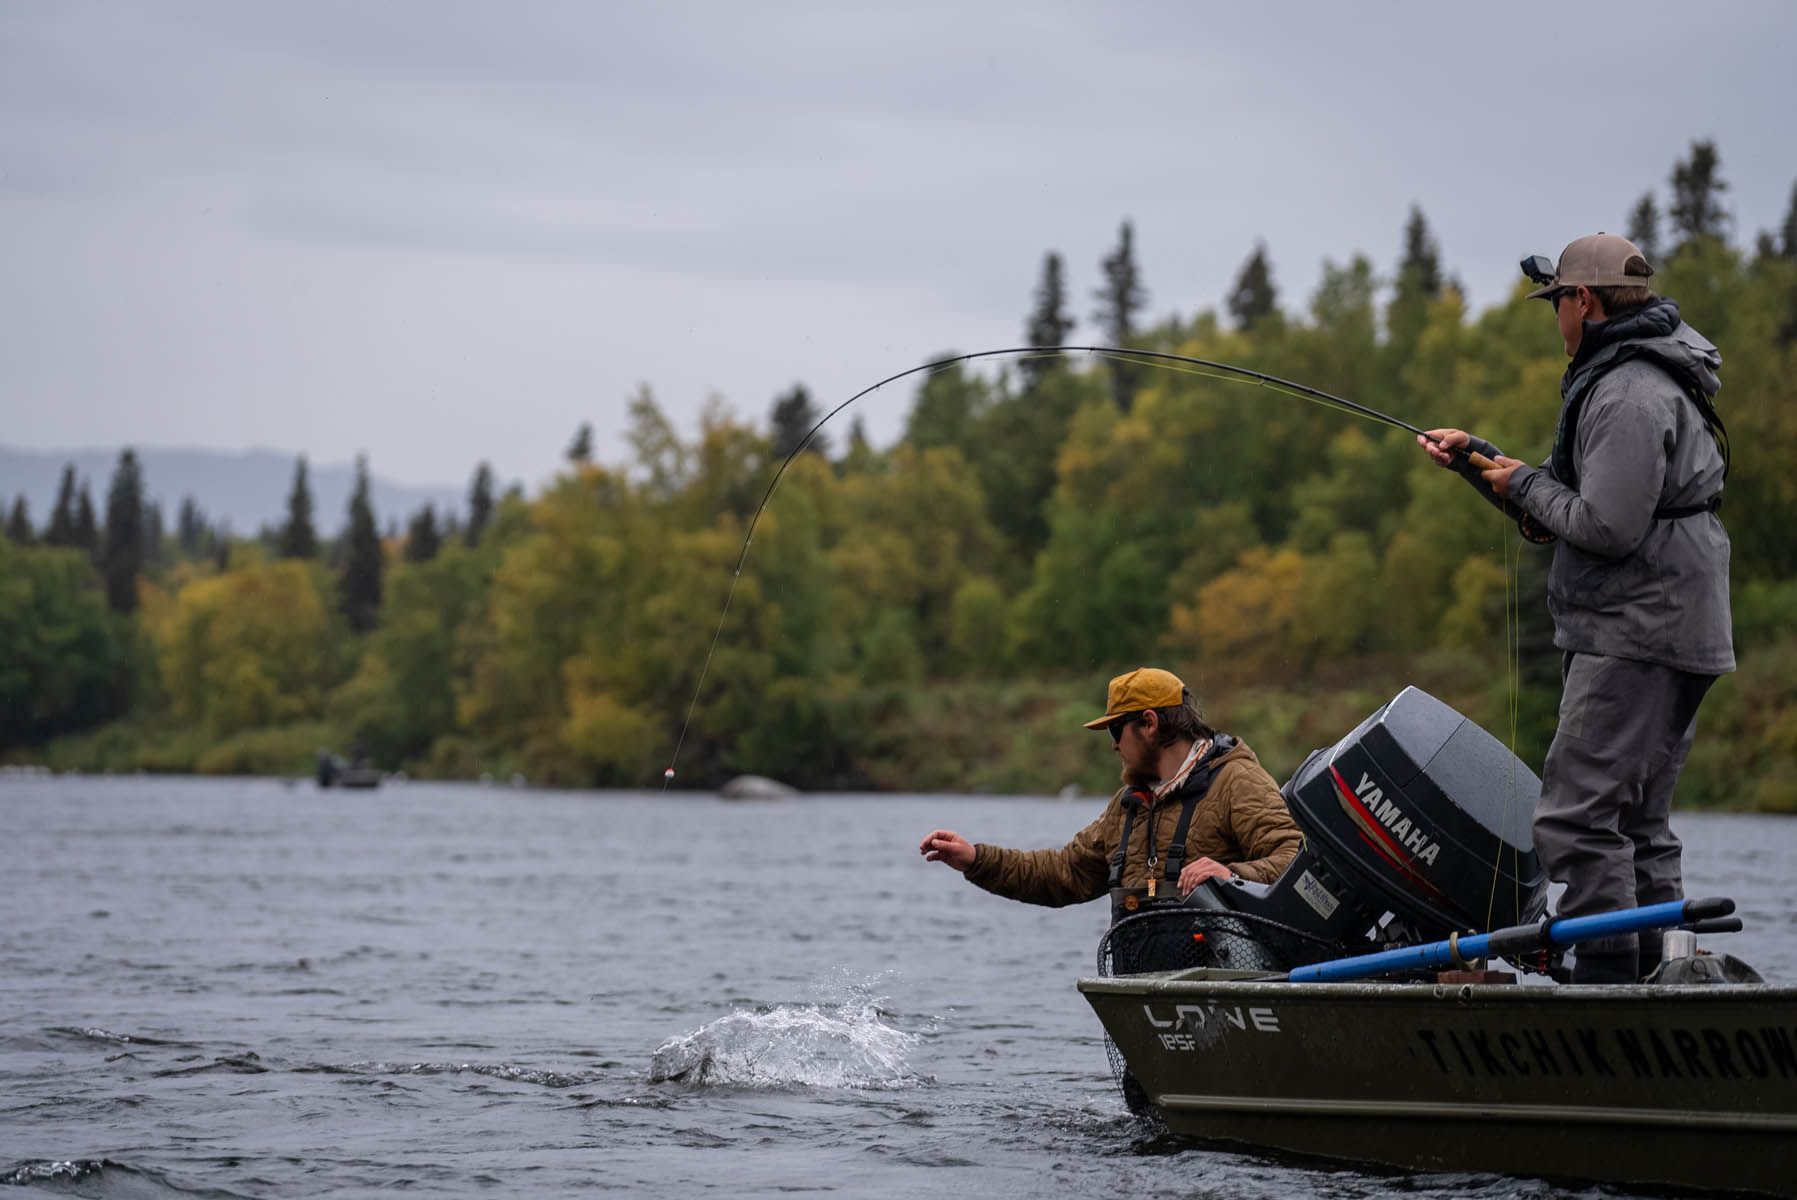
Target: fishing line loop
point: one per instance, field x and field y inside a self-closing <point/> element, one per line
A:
<point x="1166" y="360"/>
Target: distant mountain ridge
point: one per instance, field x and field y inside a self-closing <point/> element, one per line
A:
<point x="244" y="489"/>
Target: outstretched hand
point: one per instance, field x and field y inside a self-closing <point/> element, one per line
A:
<point x="947" y="846"/>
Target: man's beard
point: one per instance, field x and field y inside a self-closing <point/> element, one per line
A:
<point x="1135" y="775"/>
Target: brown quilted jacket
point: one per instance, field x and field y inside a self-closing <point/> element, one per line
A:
<point x="1242" y="823"/>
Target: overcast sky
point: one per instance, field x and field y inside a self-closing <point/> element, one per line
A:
<point x="441" y="232"/>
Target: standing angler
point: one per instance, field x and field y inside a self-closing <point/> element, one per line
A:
<point x="1638" y="589"/>
<point x="1195" y="805"/>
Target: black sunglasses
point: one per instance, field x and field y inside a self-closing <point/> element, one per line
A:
<point x="1120" y="724"/>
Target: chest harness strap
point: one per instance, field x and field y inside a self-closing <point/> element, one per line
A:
<point x="1195" y="788"/>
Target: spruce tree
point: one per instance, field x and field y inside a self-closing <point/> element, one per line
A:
<point x="1697" y="189"/>
<point x="299" y="537"/>
<point x="1253" y="299"/>
<point x="1644" y="227"/>
<point x="18" y="525"/>
<point x="122" y="554"/>
<point x="1788" y="231"/>
<point x="1421" y="263"/>
<point x="87" y="528"/>
<point x="1049" y="323"/>
<point x="155" y="533"/>
<point x="860" y="454"/>
<point x="362" y="557"/>
<point x="1120" y="299"/>
<point x="61" y="529"/>
<point x="1419" y="285"/>
<point x="480" y="504"/>
<point x="580" y="450"/>
<point x="790" y="420"/>
<point x="190" y="528"/>
<point x="423" y="540"/>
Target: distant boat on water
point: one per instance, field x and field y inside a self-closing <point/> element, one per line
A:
<point x="333" y="771"/>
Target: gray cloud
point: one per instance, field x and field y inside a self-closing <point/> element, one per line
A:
<point x="442" y="231"/>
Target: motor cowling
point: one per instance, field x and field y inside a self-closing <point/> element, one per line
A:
<point x="1421" y="812"/>
<point x="1417" y="824"/>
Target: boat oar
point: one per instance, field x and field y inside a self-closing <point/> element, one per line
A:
<point x="1458" y="950"/>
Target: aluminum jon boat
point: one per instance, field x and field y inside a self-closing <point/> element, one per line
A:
<point x="1311" y="1016"/>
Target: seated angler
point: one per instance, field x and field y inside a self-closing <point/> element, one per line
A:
<point x="1196" y="805"/>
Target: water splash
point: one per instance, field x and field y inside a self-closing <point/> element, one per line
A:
<point x="52" y="1171"/>
<point x="845" y="1045"/>
<point x="102" y="1177"/>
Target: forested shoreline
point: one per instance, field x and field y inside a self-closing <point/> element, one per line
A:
<point x="940" y="613"/>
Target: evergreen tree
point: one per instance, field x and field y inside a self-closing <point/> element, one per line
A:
<point x="480" y="504"/>
<point x="87" y="528"/>
<point x="122" y="555"/>
<point x="155" y="532"/>
<point x="299" y="538"/>
<point x="1788" y="231"/>
<point x="18" y="525"/>
<point x="860" y="450"/>
<point x="1421" y="264"/>
<point x="1119" y="301"/>
<point x="1644" y="227"/>
<point x="1049" y="323"/>
<point x="1697" y="189"/>
<point x="1419" y="285"/>
<point x="190" y="528"/>
<point x="362" y="557"/>
<point x="1253" y="299"/>
<point x="423" y="540"/>
<point x="790" y="420"/>
<point x="61" y="529"/>
<point x="580" y="450"/>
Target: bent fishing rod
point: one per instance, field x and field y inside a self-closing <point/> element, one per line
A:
<point x="1184" y="363"/>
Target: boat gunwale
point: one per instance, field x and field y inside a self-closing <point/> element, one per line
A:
<point x="1184" y="983"/>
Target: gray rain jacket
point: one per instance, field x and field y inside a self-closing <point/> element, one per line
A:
<point x="1630" y="442"/>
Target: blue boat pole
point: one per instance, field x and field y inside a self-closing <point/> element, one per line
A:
<point x="1560" y="931"/>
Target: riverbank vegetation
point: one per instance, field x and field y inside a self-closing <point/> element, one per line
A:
<point x="942" y="612"/>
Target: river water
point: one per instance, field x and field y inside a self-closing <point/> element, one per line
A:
<point x="253" y="988"/>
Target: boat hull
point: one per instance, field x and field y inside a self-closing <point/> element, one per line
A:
<point x="1682" y="1086"/>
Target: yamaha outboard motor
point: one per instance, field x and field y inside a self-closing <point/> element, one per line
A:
<point x="1416" y="825"/>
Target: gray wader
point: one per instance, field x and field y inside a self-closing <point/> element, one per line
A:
<point x="1603" y="825"/>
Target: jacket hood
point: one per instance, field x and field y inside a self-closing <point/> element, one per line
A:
<point x="1656" y="331"/>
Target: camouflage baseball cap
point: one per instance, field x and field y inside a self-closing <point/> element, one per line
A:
<point x="1598" y="260"/>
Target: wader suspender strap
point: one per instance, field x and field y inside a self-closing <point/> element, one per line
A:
<point x="1197" y="786"/>
<point x="1132" y="803"/>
